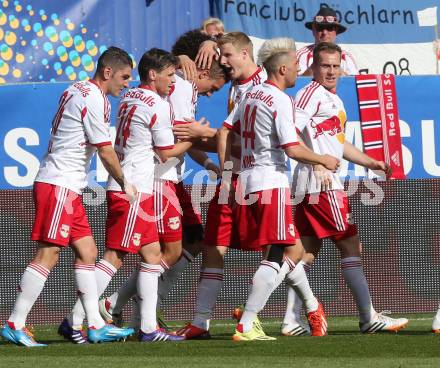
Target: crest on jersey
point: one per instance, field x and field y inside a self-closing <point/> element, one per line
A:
<point x="136" y="239"/>
<point x="64" y="230"/>
<point x="292" y="229"/>
<point x="350" y="219"/>
<point x="174" y="223"/>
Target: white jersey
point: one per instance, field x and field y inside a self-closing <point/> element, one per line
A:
<point x="144" y="123"/>
<point x="305" y="59"/>
<point x="183" y="99"/>
<point x="264" y="120"/>
<point x="236" y="94"/>
<point x="80" y="125"/>
<point x="320" y="117"/>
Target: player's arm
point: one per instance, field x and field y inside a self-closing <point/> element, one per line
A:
<point x="302" y="154"/>
<point x="207" y="53"/>
<point x="203" y="160"/>
<point x="98" y="134"/>
<point x="352" y="154"/>
<point x="224" y="143"/>
<point x="111" y="163"/>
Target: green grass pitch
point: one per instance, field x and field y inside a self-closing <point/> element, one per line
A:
<point x="412" y="347"/>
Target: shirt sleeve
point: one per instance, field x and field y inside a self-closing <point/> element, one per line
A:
<point x="350" y="66"/>
<point x="161" y="127"/>
<point x="284" y="123"/>
<point x="95" y="120"/>
<point x="233" y="119"/>
<point x="182" y="103"/>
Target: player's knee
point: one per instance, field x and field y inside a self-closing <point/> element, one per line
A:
<point x="276" y="254"/>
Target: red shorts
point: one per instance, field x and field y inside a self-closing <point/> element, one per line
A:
<point x="220" y="228"/>
<point x="60" y="217"/>
<point x="168" y="212"/>
<point x="325" y="215"/>
<point x="129" y="227"/>
<point x="268" y="219"/>
<point x="189" y="215"/>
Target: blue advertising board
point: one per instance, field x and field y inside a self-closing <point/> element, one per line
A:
<point x="27" y="111"/>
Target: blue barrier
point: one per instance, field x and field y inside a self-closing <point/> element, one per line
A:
<point x="27" y="112"/>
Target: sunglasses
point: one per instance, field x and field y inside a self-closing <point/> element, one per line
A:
<point x="327" y="18"/>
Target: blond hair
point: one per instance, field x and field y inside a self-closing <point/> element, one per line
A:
<point x="212" y="21"/>
<point x="275" y="46"/>
<point x="239" y="40"/>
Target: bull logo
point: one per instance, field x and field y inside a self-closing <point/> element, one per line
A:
<point x="136" y="239"/>
<point x="174" y="223"/>
<point x="330" y="126"/>
<point x="64" y="230"/>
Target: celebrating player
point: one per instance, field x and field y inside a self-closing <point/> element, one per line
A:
<point x="79" y="129"/>
<point x="324" y="212"/>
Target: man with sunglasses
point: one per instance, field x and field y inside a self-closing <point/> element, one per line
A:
<point x="325" y="27"/>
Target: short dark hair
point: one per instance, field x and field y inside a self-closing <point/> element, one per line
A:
<point x="115" y="58"/>
<point x="329" y="47"/>
<point x="189" y="43"/>
<point x="157" y="60"/>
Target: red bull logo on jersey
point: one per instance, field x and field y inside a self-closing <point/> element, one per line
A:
<point x="174" y="223"/>
<point x="136" y="239"/>
<point x="330" y="126"/>
<point x="64" y="230"/>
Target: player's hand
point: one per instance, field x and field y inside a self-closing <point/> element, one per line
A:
<point x="130" y="191"/>
<point x="381" y="167"/>
<point x="331" y="163"/>
<point x="207" y="53"/>
<point x="193" y="130"/>
<point x="323" y="177"/>
<point x="188" y="67"/>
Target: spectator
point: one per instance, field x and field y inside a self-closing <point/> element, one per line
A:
<point x="213" y="27"/>
<point x="325" y="27"/>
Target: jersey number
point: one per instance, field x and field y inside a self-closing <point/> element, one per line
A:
<point x="249" y="126"/>
<point x="124" y="118"/>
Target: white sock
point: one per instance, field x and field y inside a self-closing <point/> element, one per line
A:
<point x="169" y="278"/>
<point x="437" y="316"/>
<point x="104" y="272"/>
<point x="31" y="285"/>
<point x="354" y="277"/>
<point x="121" y="297"/>
<point x="210" y="285"/>
<point x="85" y="281"/>
<point x="147" y="293"/>
<point x="262" y="286"/>
<point x="298" y="280"/>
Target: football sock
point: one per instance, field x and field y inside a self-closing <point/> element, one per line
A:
<point x="298" y="280"/>
<point x="211" y="281"/>
<point x="87" y="290"/>
<point x="169" y="278"/>
<point x="147" y="294"/>
<point x="125" y="292"/>
<point x="263" y="284"/>
<point x="294" y="302"/>
<point x="104" y="272"/>
<point x="31" y="285"/>
<point x="354" y="277"/>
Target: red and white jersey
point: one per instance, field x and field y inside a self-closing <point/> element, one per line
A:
<point x="264" y="120"/>
<point x="80" y="125"/>
<point x="236" y="93"/>
<point x="305" y="59"/>
<point x="183" y="99"/>
<point x="143" y="123"/>
<point x="320" y="118"/>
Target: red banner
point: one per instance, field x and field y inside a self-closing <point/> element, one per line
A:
<point x="379" y="117"/>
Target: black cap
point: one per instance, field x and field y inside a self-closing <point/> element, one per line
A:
<point x="324" y="12"/>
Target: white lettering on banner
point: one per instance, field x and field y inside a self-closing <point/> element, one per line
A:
<point x="428" y="147"/>
<point x="28" y="160"/>
<point x="405" y="132"/>
<point x="101" y="172"/>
